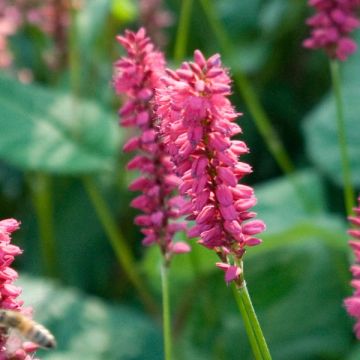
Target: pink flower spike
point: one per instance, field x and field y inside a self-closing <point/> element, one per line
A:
<point x="331" y="27"/>
<point x="9" y="292"/>
<point x="197" y="122"/>
<point x="352" y="303"/>
<point x="136" y="76"/>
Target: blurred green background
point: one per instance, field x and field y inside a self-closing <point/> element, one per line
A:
<point x="60" y="142"/>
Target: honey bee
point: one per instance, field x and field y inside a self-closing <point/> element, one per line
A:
<point x="29" y="329"/>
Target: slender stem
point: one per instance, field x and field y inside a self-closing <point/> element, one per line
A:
<point x="40" y="185"/>
<point x="262" y="122"/>
<point x="74" y="55"/>
<point x="252" y="325"/>
<point x="166" y="311"/>
<point x="118" y="243"/>
<point x="349" y="194"/>
<point x="183" y="30"/>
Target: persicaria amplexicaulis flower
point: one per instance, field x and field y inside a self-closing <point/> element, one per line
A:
<point x="197" y="123"/>
<point x="136" y="77"/>
<point x="331" y="26"/>
<point x="9" y="346"/>
<point x="352" y="303"/>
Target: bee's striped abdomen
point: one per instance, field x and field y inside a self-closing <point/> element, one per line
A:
<point x="28" y="328"/>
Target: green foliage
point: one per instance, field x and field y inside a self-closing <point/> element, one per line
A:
<point x="88" y="328"/>
<point x="51" y="131"/>
<point x="321" y="129"/>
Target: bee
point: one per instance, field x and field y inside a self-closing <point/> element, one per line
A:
<point x="29" y="329"/>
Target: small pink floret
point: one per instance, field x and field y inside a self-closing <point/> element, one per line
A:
<point x="352" y="304"/>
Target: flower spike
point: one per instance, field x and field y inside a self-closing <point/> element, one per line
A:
<point x="197" y="123"/>
<point x="136" y="77"/>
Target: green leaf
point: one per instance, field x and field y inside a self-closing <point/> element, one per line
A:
<point x="50" y="131"/>
<point x="321" y="129"/>
<point x="290" y="219"/>
<point x="297" y="292"/>
<point x="88" y="328"/>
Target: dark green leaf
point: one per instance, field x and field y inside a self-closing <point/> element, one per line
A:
<point x="50" y="131"/>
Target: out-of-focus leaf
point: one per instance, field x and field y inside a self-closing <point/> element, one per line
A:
<point x="125" y="10"/>
<point x="87" y="328"/>
<point x="299" y="320"/>
<point x="90" y="21"/>
<point x="321" y="127"/>
<point x="50" y="131"/>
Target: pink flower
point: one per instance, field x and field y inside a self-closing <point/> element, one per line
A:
<point x="155" y="19"/>
<point x="331" y="26"/>
<point x="352" y="303"/>
<point x="9" y="293"/>
<point x="136" y="77"/>
<point x="197" y="123"/>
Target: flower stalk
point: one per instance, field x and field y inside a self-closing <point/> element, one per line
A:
<point x="252" y="326"/>
<point x="118" y="243"/>
<point x="349" y="193"/>
<point x="41" y="192"/>
<point x="167" y="338"/>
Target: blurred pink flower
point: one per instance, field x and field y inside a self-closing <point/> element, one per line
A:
<point x="352" y="303"/>
<point x="155" y="19"/>
<point x="135" y="78"/>
<point x="331" y="26"/>
<point x="50" y="16"/>
<point x="10" y="348"/>
<point x="197" y="123"/>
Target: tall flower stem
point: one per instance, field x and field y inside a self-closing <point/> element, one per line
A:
<point x="40" y="187"/>
<point x="252" y="325"/>
<point x="166" y="311"/>
<point x="74" y="54"/>
<point x="258" y="113"/>
<point x="183" y="30"/>
<point x="118" y="243"/>
<point x="349" y="194"/>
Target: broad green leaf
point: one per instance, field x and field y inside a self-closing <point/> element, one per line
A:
<point x="50" y="131"/>
<point x="297" y="292"/>
<point x="88" y="328"/>
<point x="321" y="128"/>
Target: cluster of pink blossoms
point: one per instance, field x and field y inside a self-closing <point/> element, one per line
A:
<point x="353" y="303"/>
<point x="197" y="122"/>
<point x="9" y="347"/>
<point x="155" y="19"/>
<point x="50" y="16"/>
<point x="136" y="77"/>
<point x="331" y="26"/>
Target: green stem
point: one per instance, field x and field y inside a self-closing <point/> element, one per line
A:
<point x="252" y="325"/>
<point x="118" y="243"/>
<point x="74" y="55"/>
<point x="182" y="30"/>
<point x="166" y="311"/>
<point x="251" y="100"/>
<point x="40" y="185"/>
<point x="349" y="194"/>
